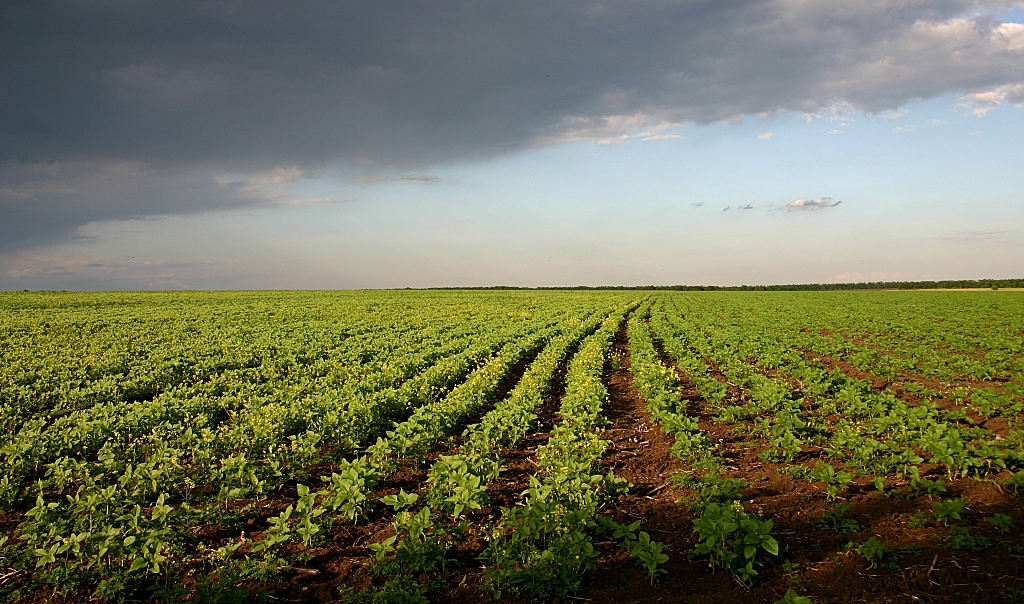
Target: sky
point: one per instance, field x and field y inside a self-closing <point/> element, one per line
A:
<point x="322" y="145"/>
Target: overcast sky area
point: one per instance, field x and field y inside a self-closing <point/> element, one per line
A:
<point x="321" y="145"/>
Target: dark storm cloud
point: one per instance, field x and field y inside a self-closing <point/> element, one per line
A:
<point x="189" y="90"/>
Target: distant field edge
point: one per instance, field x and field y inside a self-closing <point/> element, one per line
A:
<point x="961" y="285"/>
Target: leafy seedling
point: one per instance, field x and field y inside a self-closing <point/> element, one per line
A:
<point x="963" y="539"/>
<point x="383" y="548"/>
<point x="731" y="539"/>
<point x="918" y="520"/>
<point x="837" y="521"/>
<point x="792" y="571"/>
<point x="1003" y="522"/>
<point x="949" y="509"/>
<point x="931" y="487"/>
<point x="834" y="481"/>
<point x="639" y="544"/>
<point x="650" y="554"/>
<point x="873" y="551"/>
<point x="791" y="597"/>
<point x="400" y="500"/>
<point x="1016" y="482"/>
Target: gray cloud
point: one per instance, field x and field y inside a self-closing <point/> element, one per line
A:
<point x="113" y="273"/>
<point x="185" y="91"/>
<point x="68" y="194"/>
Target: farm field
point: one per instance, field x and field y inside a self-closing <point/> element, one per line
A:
<point x="420" y="446"/>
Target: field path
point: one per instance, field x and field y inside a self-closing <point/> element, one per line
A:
<point x="641" y="453"/>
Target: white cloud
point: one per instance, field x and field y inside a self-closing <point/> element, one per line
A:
<point x="767" y="136"/>
<point x="980" y="103"/>
<point x="833" y="132"/>
<point x="831" y="112"/>
<point x="662" y="137"/>
<point x="811" y="204"/>
<point x="412" y="179"/>
<point x="612" y="140"/>
<point x="277" y="176"/>
<point x="902" y="129"/>
<point x="970" y="236"/>
<point x="895" y="115"/>
<point x="1011" y="34"/>
<point x="313" y="201"/>
<point x="576" y="128"/>
<point x="271" y="187"/>
<point x="608" y="130"/>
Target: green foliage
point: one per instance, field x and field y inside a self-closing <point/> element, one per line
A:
<point x="731" y="539"/>
<point x="1016" y="482"/>
<point x="545" y="545"/>
<point x="918" y="520"/>
<point x="710" y="488"/>
<point x="457" y="483"/>
<point x="787" y="445"/>
<point x="798" y="471"/>
<point x="931" y="487"/>
<point x="400" y="500"/>
<point x="1001" y="521"/>
<point x="949" y="509"/>
<point x="791" y="597"/>
<point x="837" y="521"/>
<point x="873" y="551"/>
<point x="135" y="424"/>
<point x="1013" y="594"/>
<point x="834" y="481"/>
<point x="401" y="589"/>
<point x="640" y="545"/>
<point x="964" y="539"/>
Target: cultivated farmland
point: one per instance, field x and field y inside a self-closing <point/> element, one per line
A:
<point x="409" y="446"/>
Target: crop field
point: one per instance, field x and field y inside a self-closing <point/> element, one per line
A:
<point x="553" y="446"/>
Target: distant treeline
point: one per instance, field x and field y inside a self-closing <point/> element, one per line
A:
<point x="960" y="284"/>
